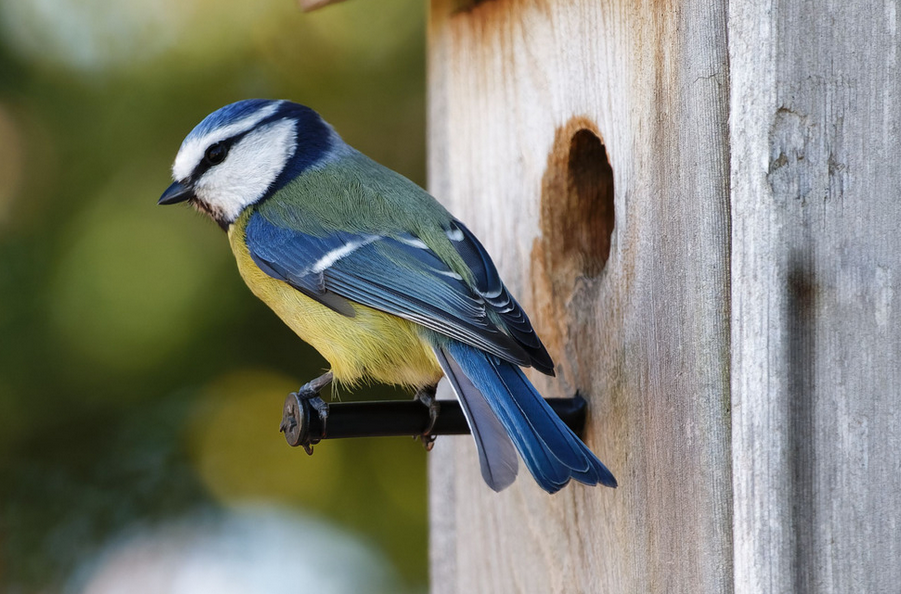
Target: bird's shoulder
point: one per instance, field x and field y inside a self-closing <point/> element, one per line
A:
<point x="354" y="193"/>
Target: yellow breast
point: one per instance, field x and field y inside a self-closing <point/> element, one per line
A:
<point x="371" y="344"/>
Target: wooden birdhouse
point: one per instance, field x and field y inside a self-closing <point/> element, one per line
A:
<point x="698" y="204"/>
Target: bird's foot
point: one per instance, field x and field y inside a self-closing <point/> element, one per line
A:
<point x="295" y="416"/>
<point x="427" y="397"/>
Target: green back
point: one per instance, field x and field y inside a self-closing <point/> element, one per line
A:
<point x="357" y="195"/>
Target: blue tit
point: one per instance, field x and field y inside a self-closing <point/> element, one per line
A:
<point x="374" y="273"/>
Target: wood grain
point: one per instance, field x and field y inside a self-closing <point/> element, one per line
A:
<point x="645" y="335"/>
<point x="816" y="381"/>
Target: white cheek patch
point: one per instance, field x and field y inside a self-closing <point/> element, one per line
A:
<point x="191" y="151"/>
<point x="251" y="166"/>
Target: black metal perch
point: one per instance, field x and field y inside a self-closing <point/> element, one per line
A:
<point x="303" y="427"/>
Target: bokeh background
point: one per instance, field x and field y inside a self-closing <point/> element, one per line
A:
<point x="141" y="384"/>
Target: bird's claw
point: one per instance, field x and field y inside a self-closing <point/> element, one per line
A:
<point x="427" y="397"/>
<point x="295" y="416"/>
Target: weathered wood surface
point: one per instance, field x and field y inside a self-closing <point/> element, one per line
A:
<point x="646" y="338"/>
<point x="789" y="316"/>
<point x="816" y="338"/>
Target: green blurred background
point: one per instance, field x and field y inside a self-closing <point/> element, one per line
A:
<point x="141" y="384"/>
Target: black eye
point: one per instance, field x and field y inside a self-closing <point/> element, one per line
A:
<point x="216" y="154"/>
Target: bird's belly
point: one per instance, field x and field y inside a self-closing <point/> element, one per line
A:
<point x="371" y="344"/>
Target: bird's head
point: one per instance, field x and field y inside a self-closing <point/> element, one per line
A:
<point x="243" y="152"/>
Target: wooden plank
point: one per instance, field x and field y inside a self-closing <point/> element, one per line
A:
<point x="816" y="250"/>
<point x="644" y="337"/>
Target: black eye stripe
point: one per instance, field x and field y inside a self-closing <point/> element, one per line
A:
<point x="205" y="164"/>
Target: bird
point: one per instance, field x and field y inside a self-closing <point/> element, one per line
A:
<point x="374" y="273"/>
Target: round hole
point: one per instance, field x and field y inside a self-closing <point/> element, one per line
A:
<point x="590" y="183"/>
<point x="577" y="214"/>
<point x="570" y="256"/>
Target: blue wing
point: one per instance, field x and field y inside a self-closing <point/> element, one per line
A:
<point x="491" y="289"/>
<point x="400" y="275"/>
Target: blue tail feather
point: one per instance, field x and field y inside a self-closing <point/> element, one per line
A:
<point x="550" y="450"/>
<point x="556" y="436"/>
<point x="497" y="454"/>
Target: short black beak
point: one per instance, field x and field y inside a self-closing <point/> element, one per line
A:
<point x="176" y="193"/>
